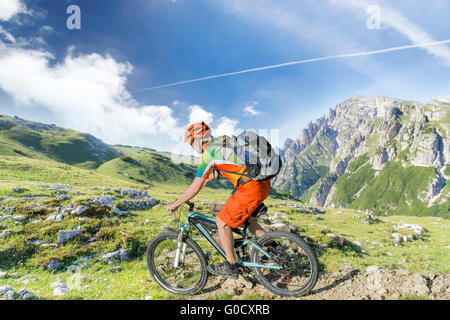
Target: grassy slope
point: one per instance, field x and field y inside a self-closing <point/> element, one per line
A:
<point x="35" y="140"/>
<point x="147" y="167"/>
<point x="135" y="231"/>
<point x="22" y="170"/>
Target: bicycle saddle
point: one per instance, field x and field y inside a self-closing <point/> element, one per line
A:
<point x="260" y="210"/>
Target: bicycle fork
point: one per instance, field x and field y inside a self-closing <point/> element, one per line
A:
<point x="181" y="251"/>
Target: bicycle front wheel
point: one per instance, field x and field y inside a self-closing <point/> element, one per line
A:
<point x="189" y="277"/>
<point x="299" y="271"/>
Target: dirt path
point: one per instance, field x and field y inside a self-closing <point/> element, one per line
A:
<point x="373" y="283"/>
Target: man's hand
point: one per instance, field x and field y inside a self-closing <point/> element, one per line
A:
<point x="172" y="207"/>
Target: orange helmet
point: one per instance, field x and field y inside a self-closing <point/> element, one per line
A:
<point x="199" y="130"/>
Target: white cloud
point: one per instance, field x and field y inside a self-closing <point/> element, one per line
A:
<point x="9" y="8"/>
<point x="226" y="127"/>
<point x="199" y="114"/>
<point x="84" y="92"/>
<point x="249" y="109"/>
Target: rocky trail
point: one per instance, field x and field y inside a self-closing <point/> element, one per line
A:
<point x="374" y="283"/>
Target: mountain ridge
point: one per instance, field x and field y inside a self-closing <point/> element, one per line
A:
<point x="371" y="134"/>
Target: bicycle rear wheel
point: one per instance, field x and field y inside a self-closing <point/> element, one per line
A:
<point x="190" y="277"/>
<point x="299" y="271"/>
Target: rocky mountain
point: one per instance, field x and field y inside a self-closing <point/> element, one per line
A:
<point x="380" y="154"/>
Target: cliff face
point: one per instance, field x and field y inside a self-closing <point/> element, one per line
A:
<point x="373" y="153"/>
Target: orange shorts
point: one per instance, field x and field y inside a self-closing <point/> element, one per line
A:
<point x="244" y="202"/>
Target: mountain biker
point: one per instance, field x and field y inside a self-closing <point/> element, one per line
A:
<point x="247" y="196"/>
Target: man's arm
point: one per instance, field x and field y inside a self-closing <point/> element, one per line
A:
<point x="187" y="195"/>
<point x="197" y="185"/>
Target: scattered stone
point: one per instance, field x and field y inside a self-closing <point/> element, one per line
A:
<point x="63" y="197"/>
<point x="24" y="294"/>
<point x="105" y="201"/>
<point x="119" y="212"/>
<point x="3" y="274"/>
<point x="80" y="210"/>
<point x="58" y="284"/>
<point x="339" y="239"/>
<point x="280" y="227"/>
<point x="137" y="204"/>
<point x="60" y="291"/>
<point x="55" y="264"/>
<point x="56" y="217"/>
<point x="65" y="236"/>
<point x="5" y="289"/>
<point x="118" y="255"/>
<point x="19" y="218"/>
<point x="84" y="259"/>
<point x="116" y="269"/>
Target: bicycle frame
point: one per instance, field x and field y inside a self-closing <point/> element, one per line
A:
<point x="196" y="219"/>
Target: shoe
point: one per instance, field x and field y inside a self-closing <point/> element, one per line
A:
<point x="224" y="269"/>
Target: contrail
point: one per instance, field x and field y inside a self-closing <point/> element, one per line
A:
<point x="348" y="55"/>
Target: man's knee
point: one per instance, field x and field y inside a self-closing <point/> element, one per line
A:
<point x="221" y="225"/>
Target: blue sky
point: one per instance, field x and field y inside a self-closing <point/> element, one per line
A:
<point x="89" y="79"/>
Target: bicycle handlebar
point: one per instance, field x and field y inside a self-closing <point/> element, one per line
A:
<point x="191" y="205"/>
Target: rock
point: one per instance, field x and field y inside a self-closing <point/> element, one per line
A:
<point x="104" y="201"/>
<point x="372" y="269"/>
<point x="55" y="264"/>
<point x="63" y="197"/>
<point x="83" y="259"/>
<point x="6" y="233"/>
<point x="56" y="217"/>
<point x="24" y="294"/>
<point x="3" y="274"/>
<point x="5" y="289"/>
<point x="19" y="218"/>
<point x="9" y="295"/>
<point x="148" y="298"/>
<point x="116" y="269"/>
<point x="65" y="236"/>
<point x="60" y="291"/>
<point x="28" y="296"/>
<point x="118" y="255"/>
<point x="440" y="284"/>
<point x="80" y="210"/>
<point x="120" y="212"/>
<point x="416" y="284"/>
<point x="58" y="284"/>
<point x="279" y="226"/>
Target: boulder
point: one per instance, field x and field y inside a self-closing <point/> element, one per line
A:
<point x="80" y="210"/>
<point x="65" y="236"/>
<point x="118" y="255"/>
<point x="55" y="264"/>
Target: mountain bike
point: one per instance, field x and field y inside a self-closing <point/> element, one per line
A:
<point x="282" y="261"/>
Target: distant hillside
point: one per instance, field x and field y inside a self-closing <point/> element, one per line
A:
<point x="20" y="137"/>
<point x="381" y="154"/>
<point x="146" y="166"/>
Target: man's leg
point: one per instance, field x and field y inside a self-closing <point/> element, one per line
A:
<point x="226" y="240"/>
<point x="256" y="228"/>
<point x="229" y="268"/>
